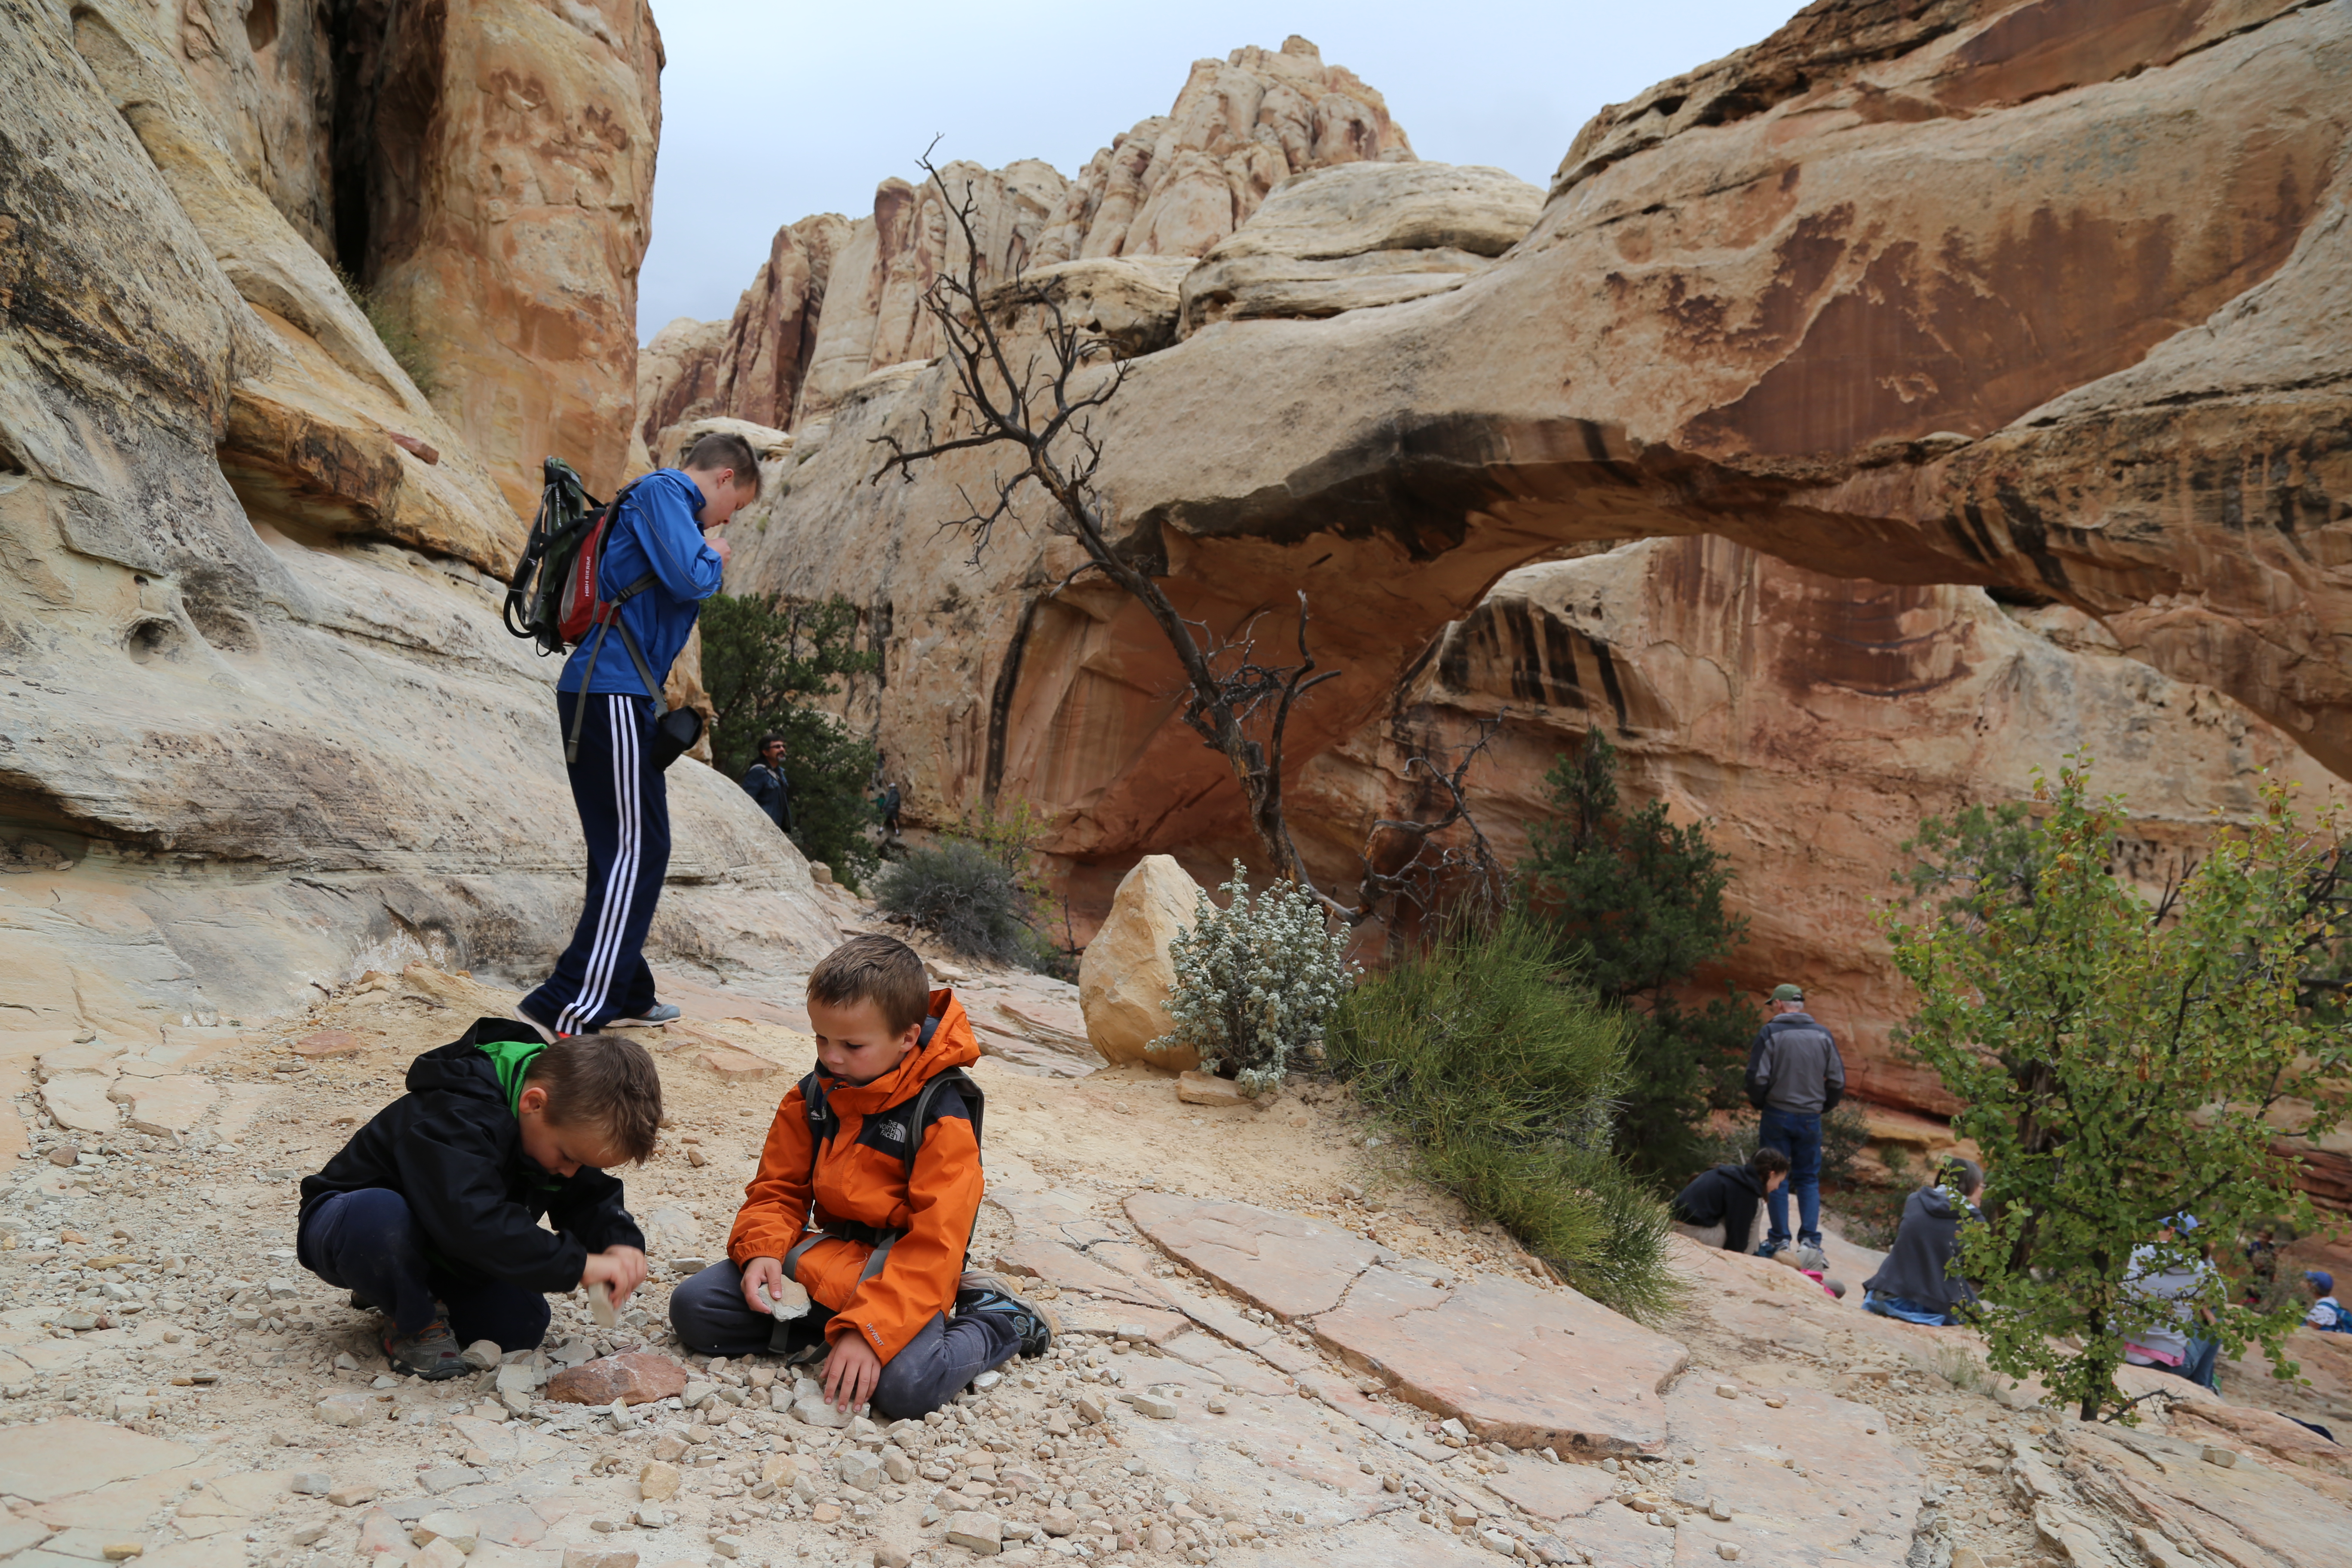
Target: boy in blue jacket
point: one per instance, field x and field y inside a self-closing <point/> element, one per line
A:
<point x="602" y="977"/>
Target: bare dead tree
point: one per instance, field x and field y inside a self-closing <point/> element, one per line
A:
<point x="1037" y="400"/>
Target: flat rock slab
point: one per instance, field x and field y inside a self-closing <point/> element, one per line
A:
<point x="77" y="1100"/>
<point x="324" y="1043"/>
<point x="162" y="1106"/>
<point x="1785" y="1517"/>
<point x="1289" y="1265"/>
<point x="60" y="1458"/>
<point x="1553" y="1492"/>
<point x="1535" y="1368"/>
<point x="736" y="1067"/>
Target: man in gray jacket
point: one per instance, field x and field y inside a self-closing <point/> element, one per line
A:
<point x="1794" y="1076"/>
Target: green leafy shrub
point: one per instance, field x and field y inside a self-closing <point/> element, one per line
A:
<point x="1503" y="1069"/>
<point x="2117" y="1061"/>
<point x="768" y="666"/>
<point x="962" y="894"/>
<point x="1641" y="902"/>
<point x="1256" y="981"/>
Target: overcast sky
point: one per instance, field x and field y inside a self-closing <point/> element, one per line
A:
<point x="773" y="110"/>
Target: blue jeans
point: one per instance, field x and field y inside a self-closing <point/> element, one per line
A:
<point x="1798" y="1136"/>
<point x="367" y="1241"/>
<point x="711" y="1315"/>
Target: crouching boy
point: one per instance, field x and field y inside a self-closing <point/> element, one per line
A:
<point x="430" y="1213"/>
<point x="894" y="1174"/>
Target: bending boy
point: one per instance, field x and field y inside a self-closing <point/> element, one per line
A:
<point x="430" y="1213"/>
<point x="894" y="1180"/>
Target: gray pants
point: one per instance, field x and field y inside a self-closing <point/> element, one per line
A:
<point x="711" y="1315"/>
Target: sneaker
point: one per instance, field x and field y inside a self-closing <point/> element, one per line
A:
<point x="986" y="1293"/>
<point x="363" y="1303"/>
<point x="431" y="1352"/>
<point x="652" y="1018"/>
<point x="1771" y="1249"/>
<point x="1812" y="1259"/>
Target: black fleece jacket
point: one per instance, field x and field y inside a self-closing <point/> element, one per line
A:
<point x="1727" y="1196"/>
<point x="1917" y="1267"/>
<point x="453" y="1148"/>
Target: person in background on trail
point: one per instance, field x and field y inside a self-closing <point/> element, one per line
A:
<point x="764" y="782"/>
<point x="1794" y="1077"/>
<point x="2327" y="1314"/>
<point x="887" y="804"/>
<point x="431" y="1214"/>
<point x="865" y="1196"/>
<point x="2166" y="1344"/>
<point x="1731" y="1197"/>
<point x="657" y="528"/>
<point x="1916" y="1283"/>
<point x="2262" y="1267"/>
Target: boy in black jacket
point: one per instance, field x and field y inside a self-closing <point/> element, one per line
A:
<point x="431" y="1212"/>
<point x="1727" y="1196"/>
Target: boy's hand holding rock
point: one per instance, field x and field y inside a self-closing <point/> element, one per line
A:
<point x="621" y="1269"/>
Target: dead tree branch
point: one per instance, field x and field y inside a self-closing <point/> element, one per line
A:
<point x="1037" y="404"/>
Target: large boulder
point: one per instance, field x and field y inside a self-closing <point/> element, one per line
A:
<point x="1125" y="974"/>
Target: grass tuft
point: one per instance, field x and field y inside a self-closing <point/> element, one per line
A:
<point x="1502" y="1072"/>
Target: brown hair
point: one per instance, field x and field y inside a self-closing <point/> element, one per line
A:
<point x="605" y="1081"/>
<point x="718" y="449"/>
<point x="877" y="969"/>
<point x="1764" y="1162"/>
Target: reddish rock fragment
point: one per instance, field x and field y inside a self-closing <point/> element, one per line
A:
<point x="637" y="1377"/>
<point x="328" y="1043"/>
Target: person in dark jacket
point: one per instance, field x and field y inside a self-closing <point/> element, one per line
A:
<point x="1794" y="1077"/>
<point x="1916" y="1283"/>
<point x="764" y="782"/>
<point x="430" y="1213"/>
<point x="657" y="533"/>
<point x="1729" y="1195"/>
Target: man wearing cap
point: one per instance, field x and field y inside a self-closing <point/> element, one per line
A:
<point x="2168" y="1344"/>
<point x="1794" y="1077"/>
<point x="2327" y="1314"/>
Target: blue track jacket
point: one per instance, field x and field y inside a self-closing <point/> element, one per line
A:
<point x="656" y="531"/>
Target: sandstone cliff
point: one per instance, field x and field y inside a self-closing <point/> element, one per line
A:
<point x="262" y="728"/>
<point x="1907" y="297"/>
<point x="836" y="301"/>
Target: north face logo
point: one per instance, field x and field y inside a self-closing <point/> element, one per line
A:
<point x="892" y="1131"/>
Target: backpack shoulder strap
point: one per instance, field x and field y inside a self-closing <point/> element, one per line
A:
<point x="965" y="1087"/>
<point x="821" y="1123"/>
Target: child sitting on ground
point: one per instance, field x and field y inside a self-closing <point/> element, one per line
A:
<point x="430" y="1213"/>
<point x="1731" y="1196"/>
<point x="894" y="1178"/>
<point x="1917" y="1283"/>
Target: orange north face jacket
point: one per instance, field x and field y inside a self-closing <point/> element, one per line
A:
<point x="862" y="1179"/>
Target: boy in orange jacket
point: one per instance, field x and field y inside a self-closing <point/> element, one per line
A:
<point x="893" y="1170"/>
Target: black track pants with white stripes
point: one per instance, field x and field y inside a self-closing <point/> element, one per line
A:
<point x="625" y="815"/>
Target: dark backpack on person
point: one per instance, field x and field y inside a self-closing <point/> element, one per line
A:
<point x="553" y="599"/>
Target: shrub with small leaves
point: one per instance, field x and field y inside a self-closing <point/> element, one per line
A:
<point x="1255" y="982"/>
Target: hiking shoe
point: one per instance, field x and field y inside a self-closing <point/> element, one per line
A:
<point x="362" y="1303"/>
<point x="986" y="1293"/>
<point x="652" y="1018"/>
<point x="431" y="1352"/>
<point x="1771" y="1249"/>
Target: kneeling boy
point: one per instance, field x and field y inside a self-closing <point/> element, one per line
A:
<point x="882" y="1256"/>
<point x="431" y="1212"/>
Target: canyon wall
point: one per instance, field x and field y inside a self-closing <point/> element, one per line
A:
<point x="261" y="728"/>
<point x="836" y="301"/>
<point x="1909" y="300"/>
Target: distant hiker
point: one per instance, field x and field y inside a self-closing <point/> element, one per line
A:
<point x="887" y="804"/>
<point x="2262" y="1267"/>
<point x="865" y="1196"/>
<point x="1794" y="1076"/>
<point x="2168" y="1344"/>
<point x="617" y="784"/>
<point x="2327" y="1314"/>
<point x="431" y="1214"/>
<point x="764" y="782"/>
<point x="1916" y="1283"/>
<point x="1731" y="1197"/>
